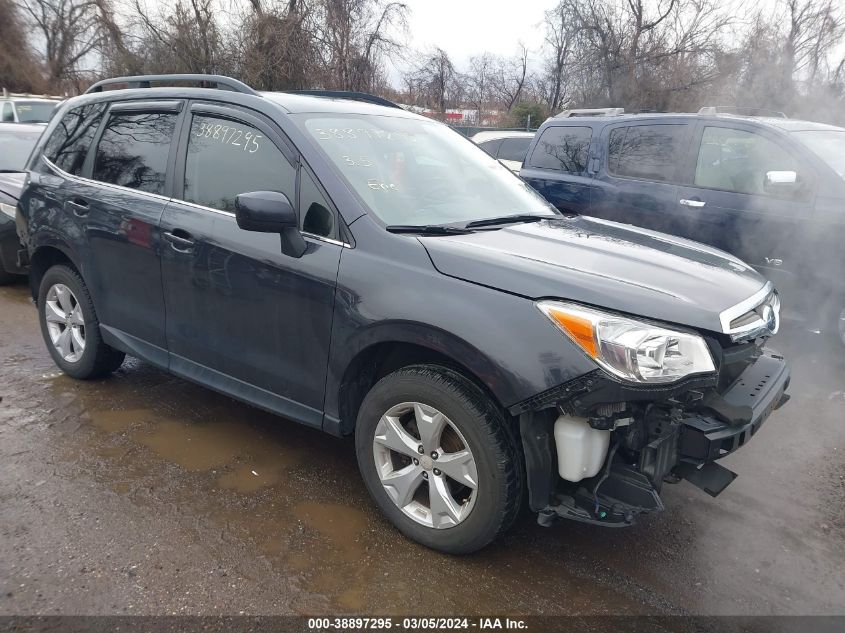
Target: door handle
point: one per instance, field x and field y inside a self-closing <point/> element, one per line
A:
<point x="695" y="204"/>
<point x="181" y="242"/>
<point x="79" y="206"/>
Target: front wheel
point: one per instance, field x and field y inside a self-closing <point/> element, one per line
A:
<point x="439" y="458"/>
<point x="70" y="328"/>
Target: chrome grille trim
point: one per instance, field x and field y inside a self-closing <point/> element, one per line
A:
<point x="759" y="315"/>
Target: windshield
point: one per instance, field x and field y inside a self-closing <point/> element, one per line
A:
<point x="829" y="145"/>
<point x="35" y="111"/>
<point x="414" y="172"/>
<point x="15" y="147"/>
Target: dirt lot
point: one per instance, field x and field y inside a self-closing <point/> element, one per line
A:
<point x="146" y="494"/>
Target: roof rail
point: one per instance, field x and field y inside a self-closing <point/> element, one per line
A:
<point x="346" y="94"/>
<point x="741" y="111"/>
<point x="221" y="82"/>
<point x="591" y="112"/>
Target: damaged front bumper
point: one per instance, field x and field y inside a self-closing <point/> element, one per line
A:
<point x="656" y="437"/>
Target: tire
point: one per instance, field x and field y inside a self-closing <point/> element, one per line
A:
<point x="470" y="421"/>
<point x="90" y="359"/>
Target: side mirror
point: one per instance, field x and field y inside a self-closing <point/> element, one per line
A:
<point x="271" y="212"/>
<point x="782" y="182"/>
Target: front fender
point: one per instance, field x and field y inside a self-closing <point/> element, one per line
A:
<point x="503" y="339"/>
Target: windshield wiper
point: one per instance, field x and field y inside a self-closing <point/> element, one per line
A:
<point x="427" y="229"/>
<point x="507" y="219"/>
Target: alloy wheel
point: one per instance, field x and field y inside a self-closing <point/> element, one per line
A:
<point x="65" y="322"/>
<point x="425" y="465"/>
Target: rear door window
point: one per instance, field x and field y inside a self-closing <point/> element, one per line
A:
<point x="491" y="147"/>
<point x="514" y="148"/>
<point x="563" y="149"/>
<point x="649" y="152"/>
<point x="133" y="150"/>
<point x="227" y="158"/>
<point x="68" y="145"/>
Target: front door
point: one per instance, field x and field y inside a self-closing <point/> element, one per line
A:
<point x="729" y="204"/>
<point x="241" y="315"/>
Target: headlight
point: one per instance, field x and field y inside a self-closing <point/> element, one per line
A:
<point x="8" y="209"/>
<point x="633" y="350"/>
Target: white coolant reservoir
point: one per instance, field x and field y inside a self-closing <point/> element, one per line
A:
<point x="581" y="449"/>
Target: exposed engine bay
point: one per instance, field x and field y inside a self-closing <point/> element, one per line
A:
<point x="599" y="451"/>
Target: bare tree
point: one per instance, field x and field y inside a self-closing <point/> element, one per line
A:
<point x="479" y="83"/>
<point x="511" y="77"/>
<point x="353" y="38"/>
<point x="276" y="50"/>
<point x="815" y="27"/>
<point x="69" y="30"/>
<point x="630" y="52"/>
<point x="436" y="81"/>
<point x="19" y="67"/>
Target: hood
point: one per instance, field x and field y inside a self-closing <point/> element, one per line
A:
<point x="604" y="264"/>
<point x="11" y="183"/>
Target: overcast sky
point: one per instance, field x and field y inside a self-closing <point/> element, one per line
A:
<point x="467" y="27"/>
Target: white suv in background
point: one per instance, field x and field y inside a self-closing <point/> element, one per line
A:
<point x="509" y="147"/>
<point x="22" y="108"/>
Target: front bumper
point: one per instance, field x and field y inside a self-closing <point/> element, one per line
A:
<point x="736" y="415"/>
<point x="688" y="440"/>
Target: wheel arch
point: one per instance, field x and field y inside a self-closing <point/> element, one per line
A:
<point x="43" y="257"/>
<point x="400" y="345"/>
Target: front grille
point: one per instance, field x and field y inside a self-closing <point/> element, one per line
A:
<point x="760" y="319"/>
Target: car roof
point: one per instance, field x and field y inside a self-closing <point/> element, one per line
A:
<point x="291" y="103"/>
<point x="494" y="135"/>
<point x="789" y="125"/>
<point x="35" y="128"/>
<point x="306" y="103"/>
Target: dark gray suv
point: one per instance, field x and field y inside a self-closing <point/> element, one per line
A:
<point x="360" y="269"/>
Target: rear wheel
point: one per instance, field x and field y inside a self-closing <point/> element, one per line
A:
<point x="439" y="458"/>
<point x="70" y="328"/>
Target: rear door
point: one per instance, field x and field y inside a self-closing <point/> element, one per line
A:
<point x="121" y="207"/>
<point x="641" y="167"/>
<point x="242" y="316"/>
<point x="557" y="167"/>
<point x="728" y="204"/>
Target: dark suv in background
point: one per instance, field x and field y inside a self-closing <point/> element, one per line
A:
<point x="770" y="190"/>
<point x="364" y="270"/>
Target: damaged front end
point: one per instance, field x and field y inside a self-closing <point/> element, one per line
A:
<point x="599" y="450"/>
